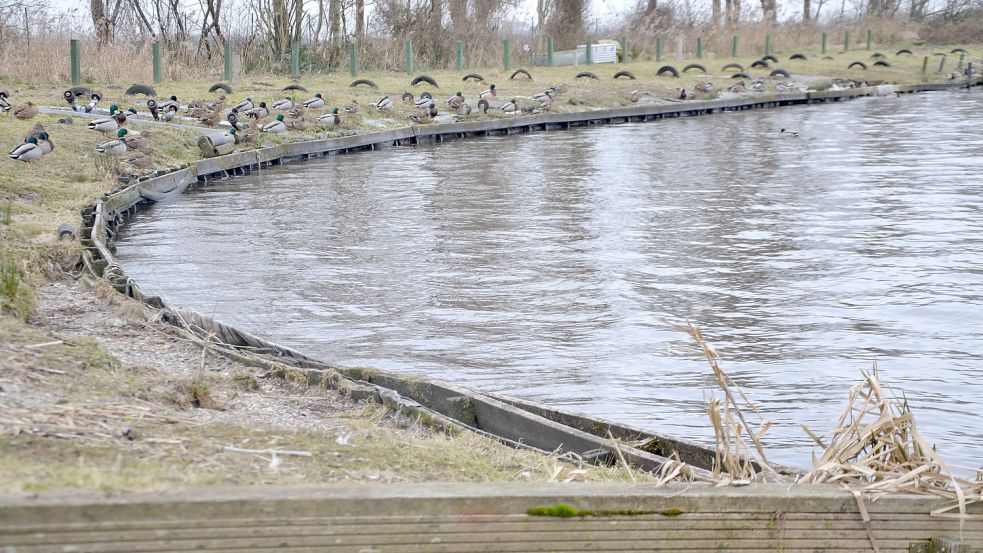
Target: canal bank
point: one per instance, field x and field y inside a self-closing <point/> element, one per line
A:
<point x="106" y="216"/>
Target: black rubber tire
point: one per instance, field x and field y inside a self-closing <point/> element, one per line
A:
<point x="877" y="55"/>
<point x="586" y="75"/>
<point x="483" y="105"/>
<point x="223" y="86"/>
<point x="667" y="68"/>
<point x="770" y="58"/>
<point x="798" y="57"/>
<point x="67" y="95"/>
<point x="473" y="76"/>
<point x="860" y="63"/>
<point x="779" y="72"/>
<point x="882" y="63"/>
<point x="759" y="63"/>
<point x="732" y="65"/>
<point x="66" y="230"/>
<point x="295" y="87"/>
<point x="958" y="51"/>
<point x="424" y="79"/>
<point x="740" y="75"/>
<point x="140" y="89"/>
<point x="80" y="91"/>
<point x="903" y="51"/>
<point x="827" y="58"/>
<point x="366" y="82"/>
<point x="521" y="72"/>
<point x="624" y="73"/>
<point x="408" y="97"/>
<point x="694" y="66"/>
<point x="427" y="95"/>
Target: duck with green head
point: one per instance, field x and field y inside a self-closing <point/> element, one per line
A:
<point x="29" y="151"/>
<point x="330" y="120"/>
<point x="116" y="146"/>
<point x="111" y="124"/>
<point x="317" y="102"/>
<point x="456" y="101"/>
<point x="277" y="126"/>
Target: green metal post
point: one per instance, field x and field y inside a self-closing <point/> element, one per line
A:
<point x="942" y="64"/>
<point x="870" y="38"/>
<point x="409" y="57"/>
<point x="824" y="44"/>
<point x="506" y="55"/>
<point x="767" y="44"/>
<point x="625" y="56"/>
<point x="962" y="59"/>
<point x="846" y="42"/>
<point x="590" y="52"/>
<point x="549" y="51"/>
<point x="353" y="59"/>
<point x="459" y="55"/>
<point x="155" y="50"/>
<point x="76" y="63"/>
<point x="925" y="65"/>
<point x="733" y="47"/>
<point x="658" y="49"/>
<point x="699" y="48"/>
<point x="228" y="61"/>
<point x="294" y="58"/>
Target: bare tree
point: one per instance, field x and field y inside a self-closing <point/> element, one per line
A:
<point x="105" y="14"/>
<point x="770" y="10"/>
<point x="569" y="24"/>
<point x="806" y="11"/>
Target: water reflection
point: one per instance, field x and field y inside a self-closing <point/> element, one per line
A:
<point x="539" y="265"/>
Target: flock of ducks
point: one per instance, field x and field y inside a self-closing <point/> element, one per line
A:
<point x="247" y="119"/>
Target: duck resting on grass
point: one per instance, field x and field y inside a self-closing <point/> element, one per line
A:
<point x="244" y="105"/>
<point x="109" y="125"/>
<point x="384" y="104"/>
<point x="283" y="104"/>
<point x="317" y="102"/>
<point x="29" y="151"/>
<point x="330" y="120"/>
<point x="27" y="111"/>
<point x="456" y="101"/>
<point x="277" y="126"/>
<point x="259" y="112"/>
<point x="4" y="104"/>
<point x="427" y="116"/>
<point x="116" y="146"/>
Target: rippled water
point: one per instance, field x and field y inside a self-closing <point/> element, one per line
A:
<point x="539" y="265"/>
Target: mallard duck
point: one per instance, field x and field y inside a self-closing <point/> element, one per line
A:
<point x="258" y="112"/>
<point x="511" y="106"/>
<point x="544" y="106"/>
<point x="212" y="118"/>
<point x="244" y="105"/>
<point x="154" y="109"/>
<point x="277" y="126"/>
<point x="317" y="102"/>
<point x="4" y="104"/>
<point x="633" y="97"/>
<point x="139" y="159"/>
<point x="788" y="134"/>
<point x="196" y="109"/>
<point x="352" y="107"/>
<point x="94" y="99"/>
<point x="705" y="88"/>
<point x="427" y="116"/>
<point x="108" y="125"/>
<point x="115" y="146"/>
<point x="44" y="142"/>
<point x="737" y="87"/>
<point x="758" y="85"/>
<point x="488" y="94"/>
<point x="384" y="104"/>
<point x="299" y="124"/>
<point x="408" y="97"/>
<point x="136" y="140"/>
<point x="283" y="104"/>
<point x="547" y="94"/>
<point x="464" y="109"/>
<point x="245" y="135"/>
<point x="456" y="101"/>
<point x="29" y="151"/>
<point x="330" y="120"/>
<point x="682" y="94"/>
<point x="424" y="101"/>
<point x="297" y="111"/>
<point x="27" y="111"/>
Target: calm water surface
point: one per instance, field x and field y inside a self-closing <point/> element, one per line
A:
<point x="539" y="265"/>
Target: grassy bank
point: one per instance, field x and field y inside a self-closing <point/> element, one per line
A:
<point x="81" y="408"/>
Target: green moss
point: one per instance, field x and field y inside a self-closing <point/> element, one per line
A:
<point x="561" y="510"/>
<point x="672" y="512"/>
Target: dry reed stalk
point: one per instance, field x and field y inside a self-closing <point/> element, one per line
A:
<point x="876" y="449"/>
<point x="733" y="455"/>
